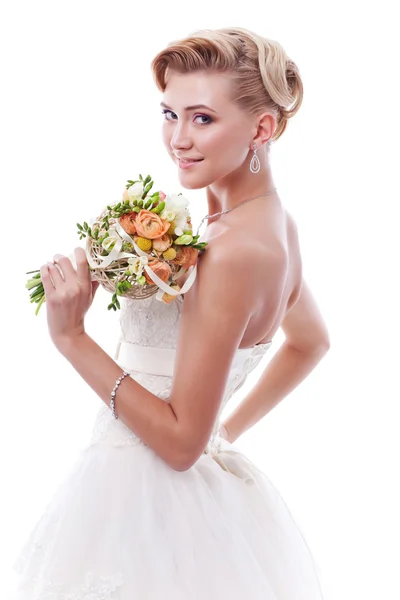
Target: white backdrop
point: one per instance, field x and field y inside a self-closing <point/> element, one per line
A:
<point x="79" y="116"/>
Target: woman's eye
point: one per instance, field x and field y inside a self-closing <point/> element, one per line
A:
<point x="166" y="112"/>
<point x="203" y="117"/>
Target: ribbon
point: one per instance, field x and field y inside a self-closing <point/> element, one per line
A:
<point x="120" y="234"/>
<point x="233" y="461"/>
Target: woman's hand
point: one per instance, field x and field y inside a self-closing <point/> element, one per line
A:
<point x="223" y="432"/>
<point x="69" y="295"/>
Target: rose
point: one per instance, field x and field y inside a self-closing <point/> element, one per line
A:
<point x="127" y="222"/>
<point x="176" y="211"/>
<point x="186" y="256"/>
<point x="134" y="192"/>
<point x="163" y="243"/>
<point x="167" y="215"/>
<point x="176" y="203"/>
<point x="162" y="269"/>
<point x="150" y="225"/>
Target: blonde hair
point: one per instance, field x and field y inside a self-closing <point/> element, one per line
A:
<point x="264" y="77"/>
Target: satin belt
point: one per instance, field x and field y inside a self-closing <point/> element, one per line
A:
<point x="146" y="359"/>
<point x="160" y="361"/>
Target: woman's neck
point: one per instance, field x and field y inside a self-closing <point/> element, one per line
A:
<point x="236" y="187"/>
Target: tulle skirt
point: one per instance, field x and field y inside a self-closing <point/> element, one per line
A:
<point x="124" y="525"/>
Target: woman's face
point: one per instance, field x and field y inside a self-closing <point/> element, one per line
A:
<point x="219" y="137"/>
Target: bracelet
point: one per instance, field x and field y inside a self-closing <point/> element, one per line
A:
<point x="112" y="402"/>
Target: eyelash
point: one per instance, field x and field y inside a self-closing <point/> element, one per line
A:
<point x="165" y="111"/>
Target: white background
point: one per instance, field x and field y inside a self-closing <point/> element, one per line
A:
<point x="79" y="116"/>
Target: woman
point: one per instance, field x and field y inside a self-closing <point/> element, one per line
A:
<point x="161" y="504"/>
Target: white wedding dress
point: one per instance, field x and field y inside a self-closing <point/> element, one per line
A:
<point x="124" y="525"/>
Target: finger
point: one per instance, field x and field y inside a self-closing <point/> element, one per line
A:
<point x="82" y="266"/>
<point x="65" y="265"/>
<point x="47" y="281"/>
<point x="55" y="275"/>
<point x="95" y="287"/>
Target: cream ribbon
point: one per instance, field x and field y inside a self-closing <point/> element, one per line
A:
<point x="233" y="461"/>
<point x="120" y="235"/>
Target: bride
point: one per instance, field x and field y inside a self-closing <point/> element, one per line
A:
<point x="161" y="504"/>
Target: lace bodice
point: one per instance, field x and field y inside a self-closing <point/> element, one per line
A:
<point x="147" y="345"/>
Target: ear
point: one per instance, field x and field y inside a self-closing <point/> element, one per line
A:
<point x="265" y="129"/>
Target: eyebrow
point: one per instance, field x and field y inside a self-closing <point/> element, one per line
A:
<point x="194" y="107"/>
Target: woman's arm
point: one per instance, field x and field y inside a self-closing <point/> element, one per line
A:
<point x="147" y="415"/>
<point x="307" y="342"/>
<point x="213" y="321"/>
<point x="287" y="369"/>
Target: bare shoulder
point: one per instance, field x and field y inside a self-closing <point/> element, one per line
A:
<point x="303" y="324"/>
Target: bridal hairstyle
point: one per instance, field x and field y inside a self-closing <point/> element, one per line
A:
<point x="264" y="78"/>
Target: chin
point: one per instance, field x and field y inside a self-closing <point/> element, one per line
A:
<point x="192" y="185"/>
<point x="194" y="181"/>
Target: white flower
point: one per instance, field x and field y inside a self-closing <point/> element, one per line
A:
<point x="175" y="203"/>
<point x="135" y="191"/>
<point x="181" y="221"/>
<point x="178" y="231"/>
<point x="110" y="241"/>
<point x="168" y="215"/>
<point x="137" y="263"/>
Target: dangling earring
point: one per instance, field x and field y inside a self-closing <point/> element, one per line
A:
<point x="255" y="165"/>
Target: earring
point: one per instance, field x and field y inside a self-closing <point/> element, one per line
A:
<point x="255" y="165"/>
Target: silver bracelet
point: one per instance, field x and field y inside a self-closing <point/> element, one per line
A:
<point x="112" y="403"/>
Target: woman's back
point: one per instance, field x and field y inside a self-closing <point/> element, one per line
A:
<point x="267" y="227"/>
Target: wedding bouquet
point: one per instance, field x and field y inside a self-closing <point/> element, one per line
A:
<point x="138" y="246"/>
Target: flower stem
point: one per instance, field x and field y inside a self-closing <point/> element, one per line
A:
<point x="43" y="299"/>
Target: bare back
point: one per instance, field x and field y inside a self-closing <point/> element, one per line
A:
<point x="271" y="230"/>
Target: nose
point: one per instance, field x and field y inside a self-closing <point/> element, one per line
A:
<point x="180" y="138"/>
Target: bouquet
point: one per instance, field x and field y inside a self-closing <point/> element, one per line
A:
<point x="138" y="246"/>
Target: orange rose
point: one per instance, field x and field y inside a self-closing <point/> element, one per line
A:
<point x="150" y="225"/>
<point x="160" y="268"/>
<point x="186" y="256"/>
<point x="163" y="243"/>
<point x="127" y="222"/>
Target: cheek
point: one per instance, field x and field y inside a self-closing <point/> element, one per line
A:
<point x="213" y="143"/>
<point x="227" y="141"/>
<point x="165" y="136"/>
